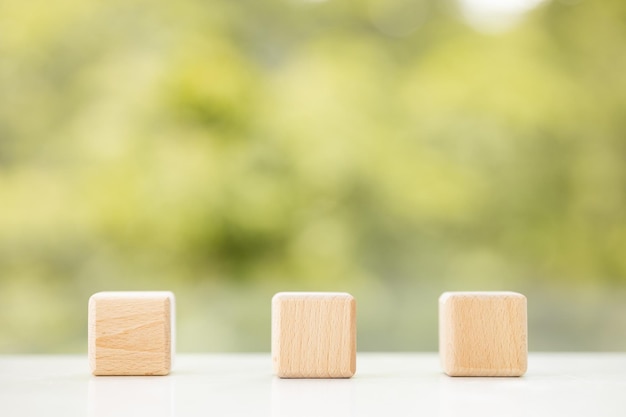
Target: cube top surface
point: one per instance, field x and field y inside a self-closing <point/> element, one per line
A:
<point x="131" y="332"/>
<point x="294" y="295"/>
<point x="479" y="295"/>
<point x="483" y="333"/>
<point x="104" y="295"/>
<point x="314" y="334"/>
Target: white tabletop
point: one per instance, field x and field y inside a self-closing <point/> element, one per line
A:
<point x="385" y="385"/>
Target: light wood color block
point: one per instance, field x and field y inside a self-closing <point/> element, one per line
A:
<point x="131" y="333"/>
<point x="483" y="333"/>
<point x="314" y="335"/>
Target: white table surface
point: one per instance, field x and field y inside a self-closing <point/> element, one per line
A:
<point x="385" y="385"/>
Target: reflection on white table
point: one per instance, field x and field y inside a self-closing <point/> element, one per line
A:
<point x="385" y="385"/>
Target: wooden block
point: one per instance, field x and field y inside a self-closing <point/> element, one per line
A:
<point x="131" y="333"/>
<point x="314" y="335"/>
<point x="483" y="333"/>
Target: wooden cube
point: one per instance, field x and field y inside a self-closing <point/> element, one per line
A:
<point x="483" y="333"/>
<point x="314" y="335"/>
<point x="131" y="333"/>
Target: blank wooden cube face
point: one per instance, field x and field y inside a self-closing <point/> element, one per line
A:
<point x="483" y="333"/>
<point x="314" y="335"/>
<point x="131" y="333"/>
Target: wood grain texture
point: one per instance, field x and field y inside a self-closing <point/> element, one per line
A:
<point x="483" y="333"/>
<point x="131" y="333"/>
<point x="314" y="335"/>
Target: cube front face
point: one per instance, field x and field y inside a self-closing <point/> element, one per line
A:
<point x="483" y="333"/>
<point x="314" y="335"/>
<point x="131" y="333"/>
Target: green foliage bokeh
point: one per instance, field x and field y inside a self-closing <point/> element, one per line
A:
<point x="227" y="150"/>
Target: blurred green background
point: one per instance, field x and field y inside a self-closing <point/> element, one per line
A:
<point x="395" y="149"/>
